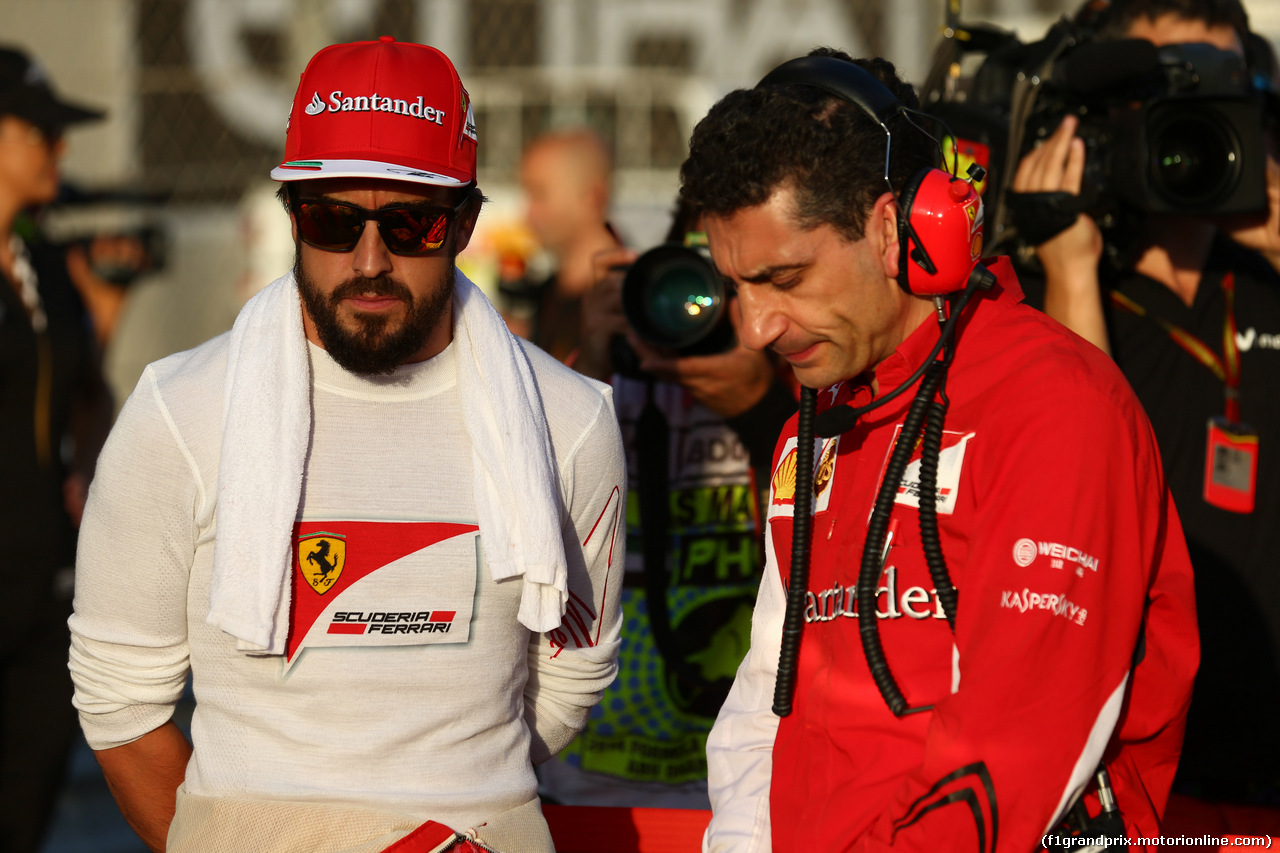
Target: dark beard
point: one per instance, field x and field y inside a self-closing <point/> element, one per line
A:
<point x="375" y="345"/>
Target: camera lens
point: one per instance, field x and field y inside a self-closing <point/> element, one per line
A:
<point x="680" y="299"/>
<point x="1194" y="161"/>
<point x="673" y="297"/>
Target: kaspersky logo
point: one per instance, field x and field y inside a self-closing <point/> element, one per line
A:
<point x="338" y="102"/>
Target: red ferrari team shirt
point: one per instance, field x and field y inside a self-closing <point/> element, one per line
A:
<point x="1075" y="639"/>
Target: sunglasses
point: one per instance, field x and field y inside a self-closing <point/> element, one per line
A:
<point x="411" y="229"/>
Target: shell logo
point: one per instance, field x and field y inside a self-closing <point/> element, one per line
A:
<point x="784" y="479"/>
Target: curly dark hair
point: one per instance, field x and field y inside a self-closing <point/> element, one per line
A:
<point x="828" y="151"/>
<point x="1113" y="18"/>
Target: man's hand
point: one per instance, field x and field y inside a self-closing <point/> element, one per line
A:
<point x="602" y="316"/>
<point x="727" y="383"/>
<point x="75" y="491"/>
<point x="101" y="298"/>
<point x="1070" y="259"/>
<point x="144" y="777"/>
<point x="1058" y="166"/>
<point x="1260" y="231"/>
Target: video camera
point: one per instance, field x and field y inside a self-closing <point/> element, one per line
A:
<point x="121" y="257"/>
<point x="1174" y="129"/>
<point x="118" y="230"/>
<point x="673" y="298"/>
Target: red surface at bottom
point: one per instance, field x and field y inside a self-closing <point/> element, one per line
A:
<point x="597" y="829"/>
<point x="1192" y="817"/>
<point x="593" y="829"/>
<point x="424" y="839"/>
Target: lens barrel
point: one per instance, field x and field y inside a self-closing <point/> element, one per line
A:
<point x="1195" y="158"/>
<point x="673" y="297"/>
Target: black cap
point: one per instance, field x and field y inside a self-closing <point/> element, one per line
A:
<point x="25" y="92"/>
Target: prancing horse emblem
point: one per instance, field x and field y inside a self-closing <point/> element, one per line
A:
<point x="321" y="557"/>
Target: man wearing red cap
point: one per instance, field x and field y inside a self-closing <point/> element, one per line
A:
<point x="389" y="569"/>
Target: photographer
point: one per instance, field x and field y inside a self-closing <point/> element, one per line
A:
<point x="566" y="176"/>
<point x="102" y="267"/>
<point x="1191" y="321"/>
<point x="1073" y="638"/>
<point x="54" y="414"/>
<point x="698" y="432"/>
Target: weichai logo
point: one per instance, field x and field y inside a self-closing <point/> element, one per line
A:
<point x="1026" y="551"/>
<point x="339" y="102"/>
<point x="420" y="622"/>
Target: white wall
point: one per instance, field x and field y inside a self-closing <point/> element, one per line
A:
<point x="86" y="46"/>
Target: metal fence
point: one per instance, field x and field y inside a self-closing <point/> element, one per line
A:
<point x="213" y="77"/>
<point x="199" y="89"/>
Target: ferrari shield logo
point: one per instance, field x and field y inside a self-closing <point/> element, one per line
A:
<point x="826" y="468"/>
<point x="321" y="557"/>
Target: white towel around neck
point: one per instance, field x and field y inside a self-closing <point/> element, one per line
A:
<point x="266" y="423"/>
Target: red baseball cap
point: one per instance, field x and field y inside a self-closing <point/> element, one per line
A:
<point x="380" y="109"/>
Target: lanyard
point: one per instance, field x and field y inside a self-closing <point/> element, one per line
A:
<point x="28" y="289"/>
<point x="1227" y="368"/>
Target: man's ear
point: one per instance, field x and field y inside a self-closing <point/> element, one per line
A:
<point x="598" y="196"/>
<point x="882" y="224"/>
<point x="466" y="225"/>
<point x="293" y="227"/>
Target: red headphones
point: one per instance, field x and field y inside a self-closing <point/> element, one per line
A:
<point x="939" y="215"/>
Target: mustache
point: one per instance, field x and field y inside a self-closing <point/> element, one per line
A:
<point x="362" y="286"/>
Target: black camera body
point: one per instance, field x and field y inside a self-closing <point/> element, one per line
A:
<point x="1181" y="135"/>
<point x="152" y="244"/>
<point x="673" y="297"/>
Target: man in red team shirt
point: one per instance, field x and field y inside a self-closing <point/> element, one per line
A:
<point x="1075" y="640"/>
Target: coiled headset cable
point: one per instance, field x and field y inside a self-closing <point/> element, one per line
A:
<point x="801" y="535"/>
<point x="926" y="412"/>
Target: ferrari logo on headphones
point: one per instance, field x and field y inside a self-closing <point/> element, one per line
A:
<point x="970" y="153"/>
<point x="321" y="557"/>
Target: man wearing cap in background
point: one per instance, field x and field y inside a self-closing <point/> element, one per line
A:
<point x="380" y="533"/>
<point x="566" y="177"/>
<point x="54" y="414"/>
